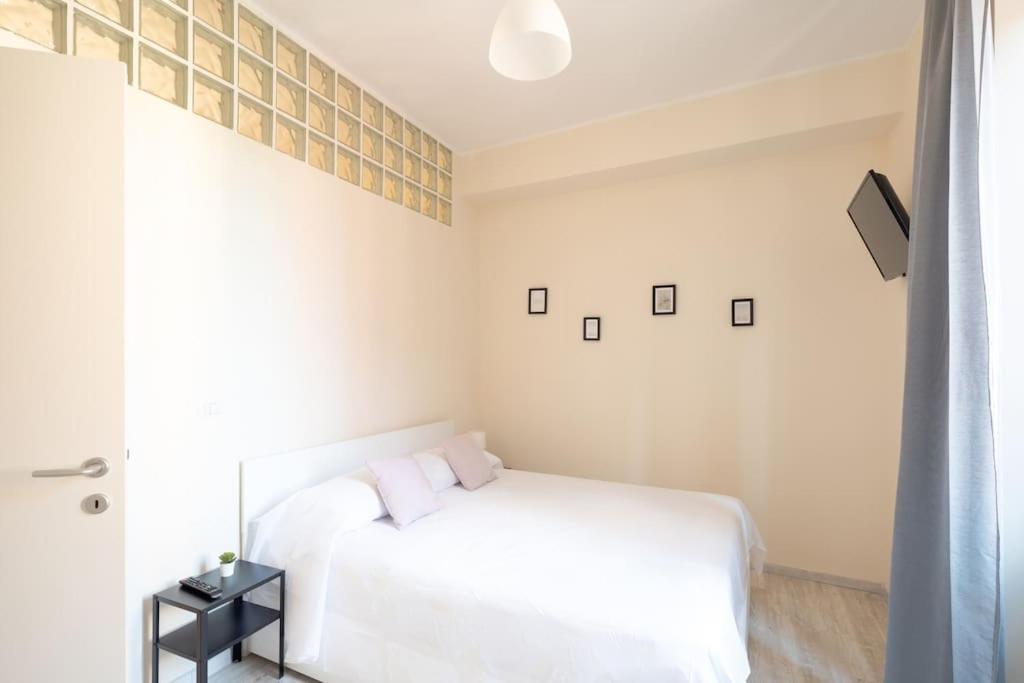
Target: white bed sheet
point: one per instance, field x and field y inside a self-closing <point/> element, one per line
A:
<point x="537" y="577"/>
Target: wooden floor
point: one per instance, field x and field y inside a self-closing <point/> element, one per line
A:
<point x="800" y="631"/>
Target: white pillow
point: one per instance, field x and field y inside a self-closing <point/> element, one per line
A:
<point x="342" y="503"/>
<point x="495" y="461"/>
<point x="367" y="496"/>
<point x="437" y="469"/>
<point x="439" y="472"/>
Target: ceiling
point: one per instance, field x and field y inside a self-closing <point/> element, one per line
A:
<point x="429" y="58"/>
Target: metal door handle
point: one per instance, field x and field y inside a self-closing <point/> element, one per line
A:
<point x="93" y="467"/>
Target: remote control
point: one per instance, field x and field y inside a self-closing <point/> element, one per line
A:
<point x="208" y="591"/>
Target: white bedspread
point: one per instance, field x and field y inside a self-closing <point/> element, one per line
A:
<point x="537" y="578"/>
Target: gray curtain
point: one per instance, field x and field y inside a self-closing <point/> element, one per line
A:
<point x="944" y="606"/>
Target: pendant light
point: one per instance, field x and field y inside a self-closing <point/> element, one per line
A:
<point x="530" y="41"/>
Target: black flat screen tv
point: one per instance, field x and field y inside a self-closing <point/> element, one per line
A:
<point x="883" y="224"/>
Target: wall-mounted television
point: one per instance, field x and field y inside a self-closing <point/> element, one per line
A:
<point x="883" y="224"/>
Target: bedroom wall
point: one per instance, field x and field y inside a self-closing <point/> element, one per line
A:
<point x="270" y="307"/>
<point x="842" y="100"/>
<point x="799" y="416"/>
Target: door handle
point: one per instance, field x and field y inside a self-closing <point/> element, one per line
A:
<point x="93" y="467"/>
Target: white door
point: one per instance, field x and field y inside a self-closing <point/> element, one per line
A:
<point x="62" y="604"/>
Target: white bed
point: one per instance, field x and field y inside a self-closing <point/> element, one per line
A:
<point x="530" y="578"/>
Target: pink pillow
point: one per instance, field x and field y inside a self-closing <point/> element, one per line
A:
<point x="468" y="461"/>
<point x="404" y="488"/>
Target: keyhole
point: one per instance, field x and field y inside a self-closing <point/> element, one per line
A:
<point x="95" y="504"/>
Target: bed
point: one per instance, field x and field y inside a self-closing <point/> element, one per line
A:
<point x="532" y="577"/>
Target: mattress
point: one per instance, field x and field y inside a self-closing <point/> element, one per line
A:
<point x="537" y="577"/>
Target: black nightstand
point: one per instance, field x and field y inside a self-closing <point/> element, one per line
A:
<point x="221" y="623"/>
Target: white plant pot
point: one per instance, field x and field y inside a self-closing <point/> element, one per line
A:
<point x="227" y="569"/>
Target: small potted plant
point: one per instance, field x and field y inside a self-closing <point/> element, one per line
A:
<point x="227" y="564"/>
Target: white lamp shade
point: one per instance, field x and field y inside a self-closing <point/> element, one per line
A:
<point x="530" y="40"/>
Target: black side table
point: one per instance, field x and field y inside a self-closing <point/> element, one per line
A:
<point x="221" y="623"/>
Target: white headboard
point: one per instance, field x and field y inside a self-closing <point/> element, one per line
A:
<point x="267" y="480"/>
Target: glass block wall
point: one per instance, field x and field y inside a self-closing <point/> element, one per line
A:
<point x="222" y="61"/>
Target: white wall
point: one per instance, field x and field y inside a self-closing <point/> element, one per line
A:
<point x="739" y="194"/>
<point x="798" y="416"/>
<point x="270" y="307"/>
<point x="864" y="94"/>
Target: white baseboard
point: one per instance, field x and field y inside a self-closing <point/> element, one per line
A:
<point x="831" y="579"/>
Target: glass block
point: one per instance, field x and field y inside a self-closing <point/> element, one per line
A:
<point x="217" y="14"/>
<point x="429" y="176"/>
<point x="393" y="125"/>
<point x="291" y="138"/>
<point x="321" y="78"/>
<point x="321" y="153"/>
<point x="164" y="26"/>
<point x="412" y="138"/>
<point x="254" y="120"/>
<point x="291" y="98"/>
<point x="255" y="34"/>
<point x="163" y="76"/>
<point x="429" y="148"/>
<point x="393" y="156"/>
<point x="93" y="38"/>
<point x="412" y="166"/>
<point x="444" y="185"/>
<point x="41" y="21"/>
<point x="373" y="111"/>
<point x="444" y="158"/>
<point x="291" y="58"/>
<point x="213" y="54"/>
<point x="348" y="166"/>
<point x="349" y="95"/>
<point x="393" y="185"/>
<point x="348" y="130"/>
<point x="428" y="204"/>
<point x="444" y="211"/>
<point x="119" y="11"/>
<point x="373" y="177"/>
<point x="212" y="100"/>
<point x="255" y="77"/>
<point x="411" y="197"/>
<point x="373" y="145"/>
<point x="321" y="115"/>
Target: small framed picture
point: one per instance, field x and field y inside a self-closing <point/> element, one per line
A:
<point x="538" y="299"/>
<point x="663" y="300"/>
<point x="742" y="312"/>
<point x="591" y="329"/>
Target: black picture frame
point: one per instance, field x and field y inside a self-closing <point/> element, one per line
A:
<point x="529" y="301"/>
<point x="596" y="337"/>
<point x="654" y="300"/>
<point x="740" y="322"/>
